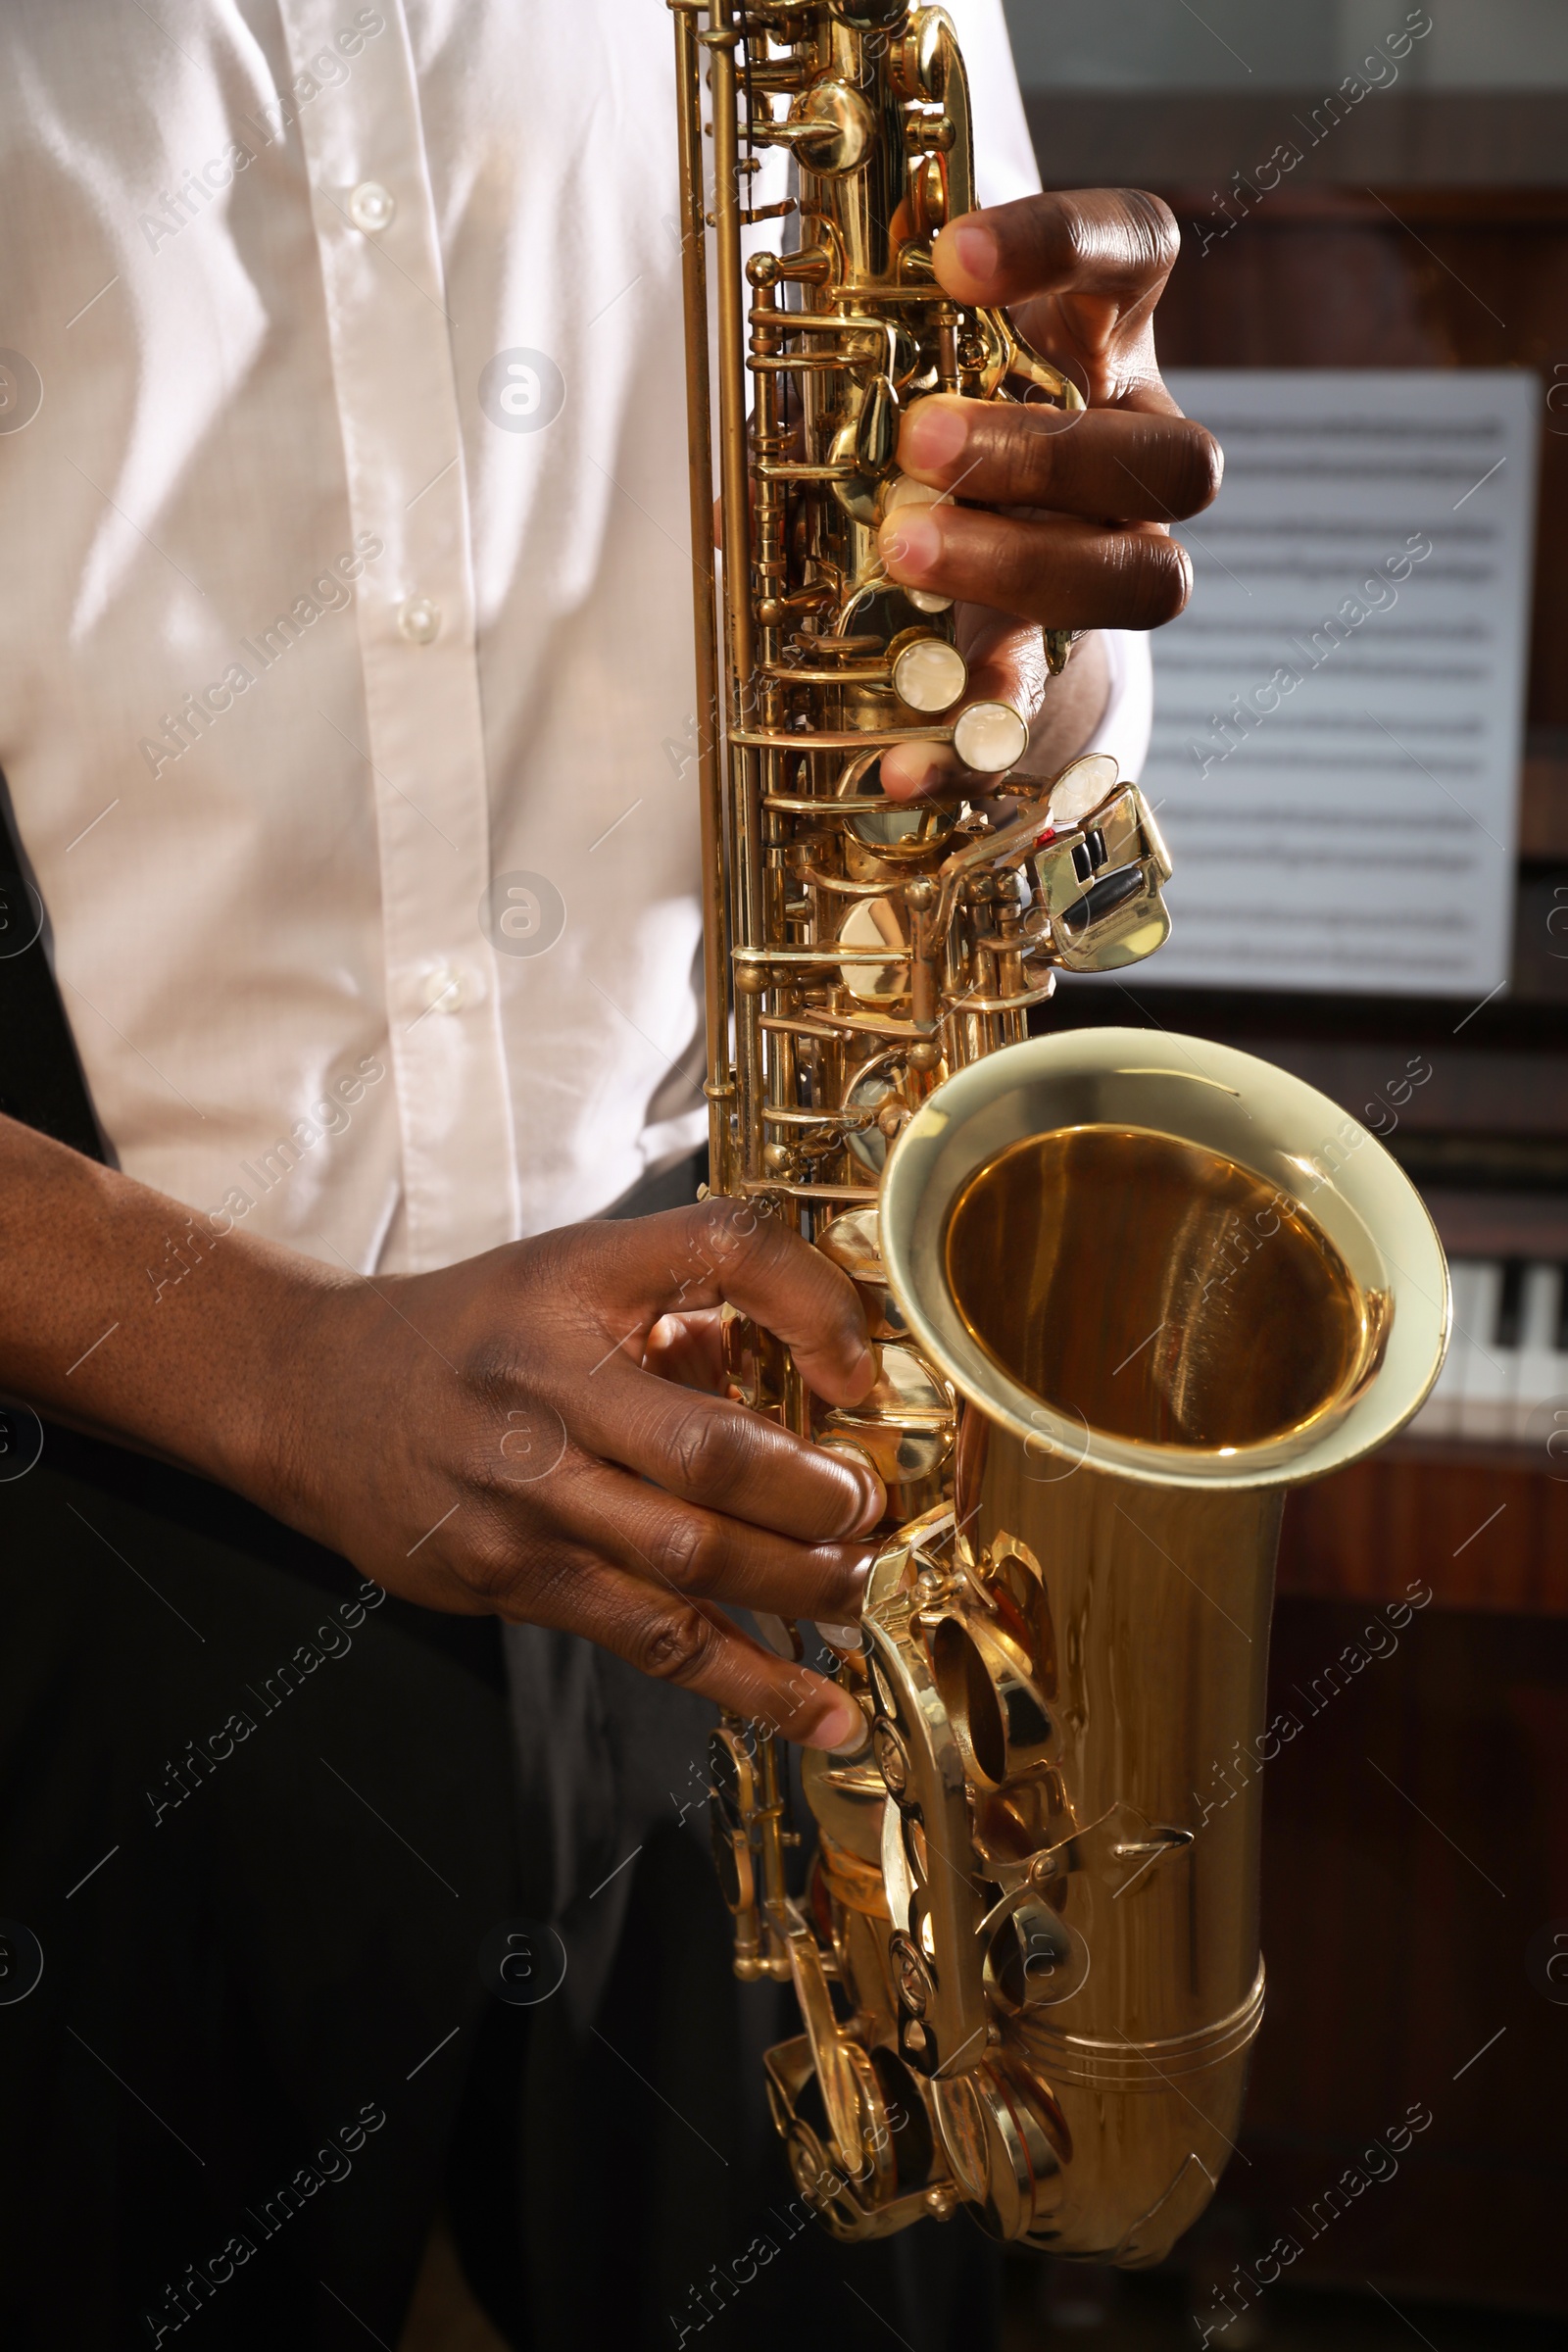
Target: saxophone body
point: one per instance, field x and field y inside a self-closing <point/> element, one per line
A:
<point x="1126" y="1288"/>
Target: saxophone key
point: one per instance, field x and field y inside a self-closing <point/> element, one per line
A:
<point x="929" y="674"/>
<point x="990" y="738"/>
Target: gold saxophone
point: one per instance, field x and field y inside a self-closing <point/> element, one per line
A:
<point x="1127" y="1287"/>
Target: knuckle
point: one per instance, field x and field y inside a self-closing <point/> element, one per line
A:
<point x="674" y="1649"/>
<point x="690" y="1552"/>
<point x="491" y="1371"/>
<point x="493" y="1562"/>
<point x="1074" y="236"/>
<point x="1025" y="459"/>
<point x="728" y="1229"/>
<point x="709" y="1450"/>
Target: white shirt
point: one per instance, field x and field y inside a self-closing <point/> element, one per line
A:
<point x="345" y="636"/>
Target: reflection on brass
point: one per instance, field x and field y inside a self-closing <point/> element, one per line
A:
<point x="1222" y="1314"/>
<point x="1126" y="1288"/>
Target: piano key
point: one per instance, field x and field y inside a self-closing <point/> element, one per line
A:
<point x="1486" y="1370"/>
<point x="1510" y="1304"/>
<point x="1540" y="1371"/>
<point x="1439" y="1417"/>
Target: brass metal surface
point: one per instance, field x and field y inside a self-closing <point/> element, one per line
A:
<point x="1126" y="1287"/>
<point x="1231" y="1316"/>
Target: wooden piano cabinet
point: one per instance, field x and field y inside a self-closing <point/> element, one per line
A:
<point x="1415" y="1863"/>
<point x="1486" y="1529"/>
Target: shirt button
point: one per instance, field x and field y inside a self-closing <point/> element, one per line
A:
<point x="442" y="991"/>
<point x="371" y="207"/>
<point x="420" y="620"/>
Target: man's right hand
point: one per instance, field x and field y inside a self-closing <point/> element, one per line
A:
<point x="487" y="1439"/>
<point x="483" y="1440"/>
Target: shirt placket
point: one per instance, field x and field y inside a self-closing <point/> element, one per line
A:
<point x="385" y="284"/>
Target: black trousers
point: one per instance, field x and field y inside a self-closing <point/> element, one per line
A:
<point x="258" y="1827"/>
<point x="257" y="1831"/>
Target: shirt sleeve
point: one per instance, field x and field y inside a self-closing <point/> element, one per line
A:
<point x="1129" y="714"/>
<point x="1005" y="154"/>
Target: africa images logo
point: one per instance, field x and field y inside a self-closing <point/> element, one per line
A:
<point x="522" y="391"/>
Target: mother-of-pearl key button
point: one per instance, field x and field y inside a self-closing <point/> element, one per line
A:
<point x="449" y="987"/>
<point x="371" y="207"/>
<point x="930" y="674"/>
<point x="991" y="738"/>
<point x="420" y="620"/>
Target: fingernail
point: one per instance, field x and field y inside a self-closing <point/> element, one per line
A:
<point x="910" y="543"/>
<point x="874" y="1500"/>
<point x="977" y="251"/>
<point x="935" y="435"/>
<point x="842" y="1726"/>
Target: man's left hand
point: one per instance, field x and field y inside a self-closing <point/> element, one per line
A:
<point x="1067" y="519"/>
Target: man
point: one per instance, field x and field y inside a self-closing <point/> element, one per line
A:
<point x="344" y="708"/>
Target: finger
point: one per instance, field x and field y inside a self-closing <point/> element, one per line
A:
<point x="702" y="1555"/>
<point x="1117" y="245"/>
<point x="1006" y="662"/>
<point x="920" y="771"/>
<point x="677" y="1642"/>
<point x="688" y="1350"/>
<point x="1110" y="462"/>
<point x="1062" y="573"/>
<point x="724" y="1457"/>
<point x="722" y="1252"/>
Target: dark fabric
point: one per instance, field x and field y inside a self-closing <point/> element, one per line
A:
<point x="40" y="1077"/>
<point x="248" y="1969"/>
<point x="656" y="2207"/>
<point x="260" y="1833"/>
<point x="671" y="1188"/>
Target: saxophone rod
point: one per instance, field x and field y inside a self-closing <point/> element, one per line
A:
<point x="720" y="1088"/>
<point x="721" y="41"/>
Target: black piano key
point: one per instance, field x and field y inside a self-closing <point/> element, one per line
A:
<point x="1510" y="1304"/>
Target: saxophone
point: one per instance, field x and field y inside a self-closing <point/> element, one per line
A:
<point x="1127" y="1287"/>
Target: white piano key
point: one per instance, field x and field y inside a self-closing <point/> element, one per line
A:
<point x="1439" y="1417"/>
<point x="1541" y="1368"/>
<point x="1487" y="1376"/>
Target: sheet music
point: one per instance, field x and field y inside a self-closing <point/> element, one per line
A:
<point x="1339" y="715"/>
